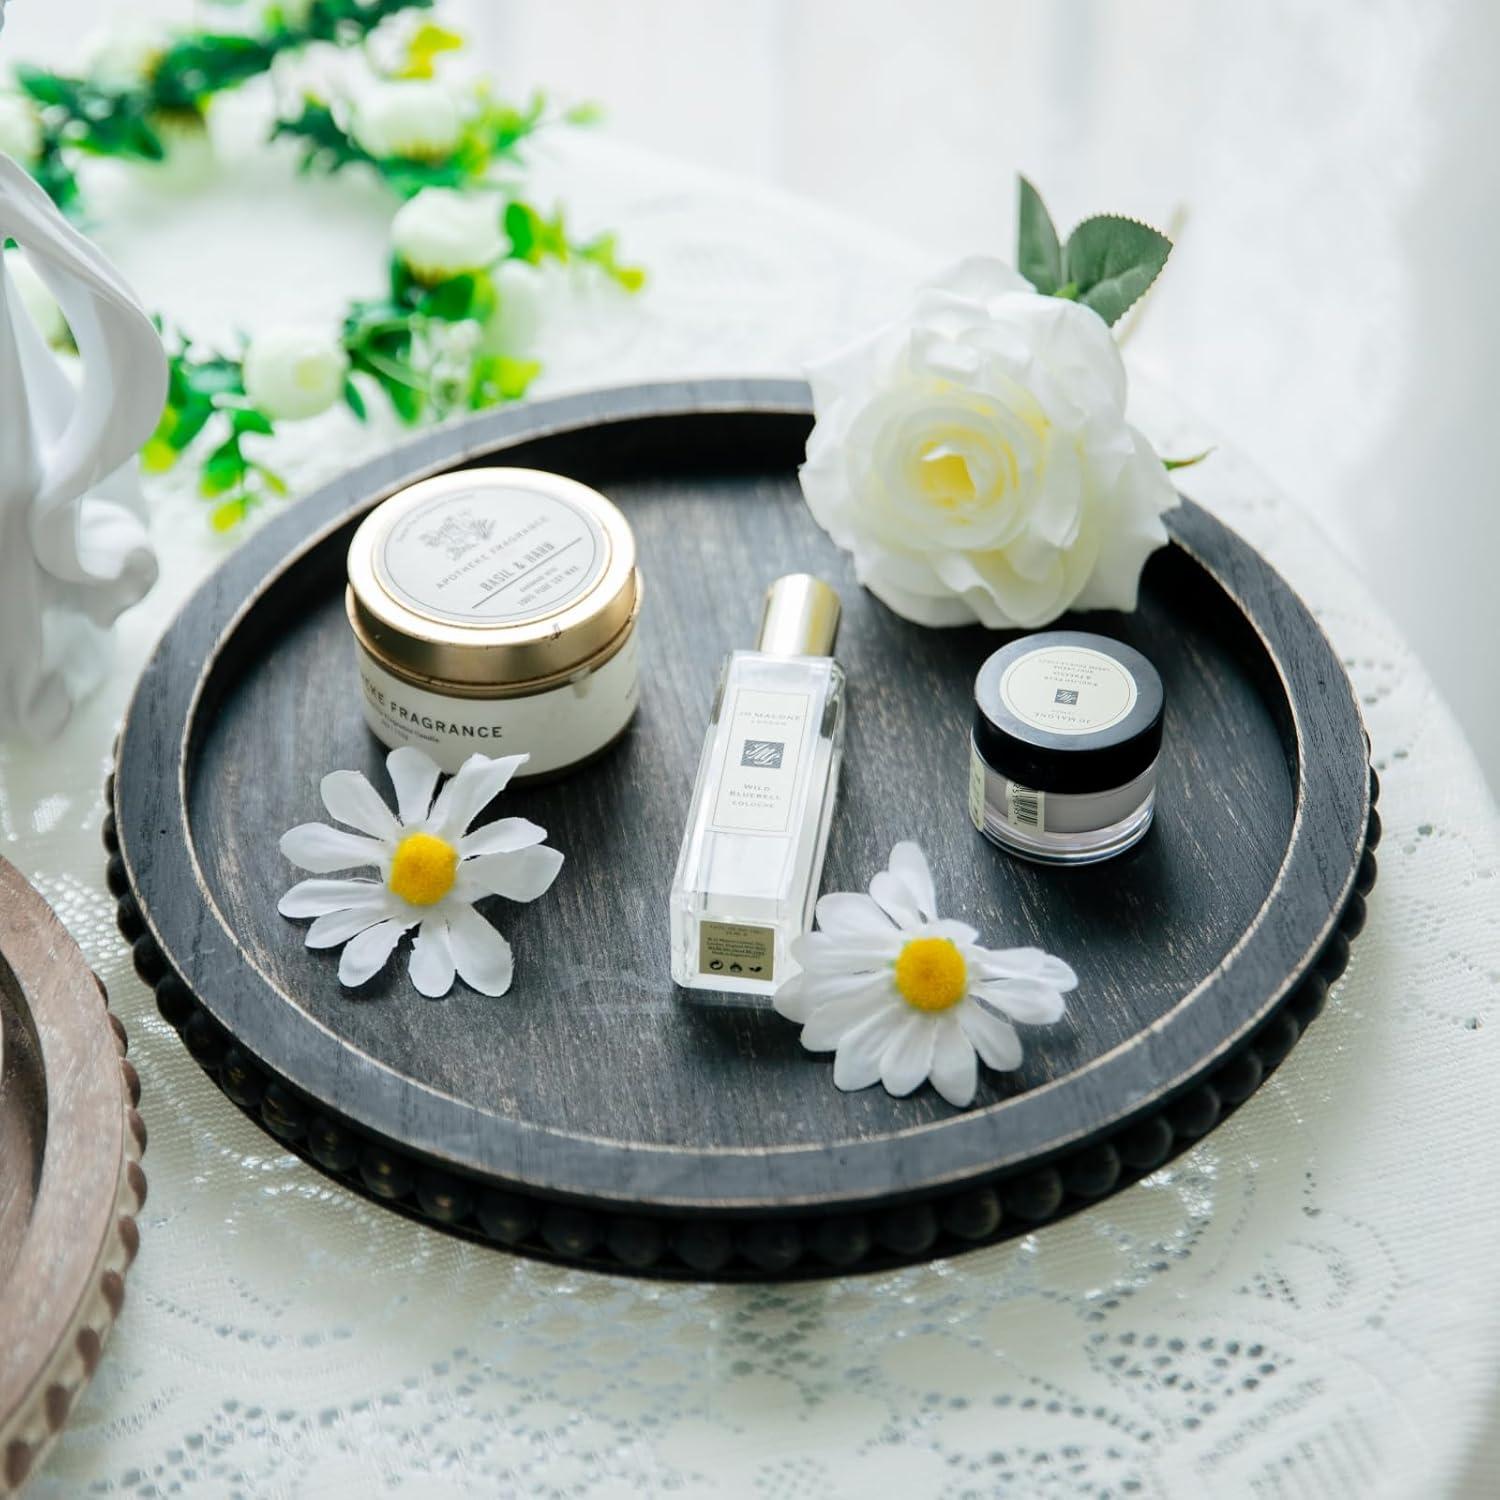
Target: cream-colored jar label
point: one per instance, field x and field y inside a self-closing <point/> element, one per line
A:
<point x="493" y="556"/>
<point x="1068" y="690"/>
<point x="557" y="728"/>
<point x="762" y="757"/>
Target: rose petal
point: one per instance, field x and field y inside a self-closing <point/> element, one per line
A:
<point x="432" y="967"/>
<point x="316" y="898"/>
<point x="479" y="781"/>
<point x="351" y="799"/>
<point x="414" y="774"/>
<point x="366" y="953"/>
<point x="1026" y="1000"/>
<point x="909" y="865"/>
<point x="522" y="875"/>
<point x="856" y="1064"/>
<point x="955" y="1069"/>
<point x="908" y="1055"/>
<point x="501" y="837"/>
<point x="995" y="1040"/>
<point x="829" y="1023"/>
<point x="851" y="914"/>
<point x="321" y="849"/>
<point x="480" y="954"/>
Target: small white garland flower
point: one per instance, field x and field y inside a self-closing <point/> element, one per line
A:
<point x="292" y="373"/>
<point x="900" y="995"/>
<point x="431" y="872"/>
<point x="441" y="233"/>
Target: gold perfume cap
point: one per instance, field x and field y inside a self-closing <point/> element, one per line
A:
<point x="801" y="617"/>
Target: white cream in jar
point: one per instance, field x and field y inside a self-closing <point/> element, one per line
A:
<point x="495" y="611"/>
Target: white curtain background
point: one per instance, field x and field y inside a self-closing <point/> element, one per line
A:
<point x="1329" y="172"/>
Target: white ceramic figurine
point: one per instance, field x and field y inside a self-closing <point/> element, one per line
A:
<point x="74" y="550"/>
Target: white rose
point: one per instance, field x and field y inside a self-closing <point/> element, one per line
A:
<point x="124" y="54"/>
<point x="976" y="461"/>
<point x="512" y="327"/>
<point x="20" y="129"/>
<point x="414" y="117"/>
<point x="442" y="233"/>
<point x="294" y="372"/>
<point x="38" y="300"/>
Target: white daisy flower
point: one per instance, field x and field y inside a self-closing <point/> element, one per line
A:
<point x="900" y="995"/>
<point x="432" y="871"/>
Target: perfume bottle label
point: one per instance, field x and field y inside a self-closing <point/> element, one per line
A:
<point x="737" y="950"/>
<point x="1068" y="690"/>
<point x="488" y="557"/>
<point x="762" y="756"/>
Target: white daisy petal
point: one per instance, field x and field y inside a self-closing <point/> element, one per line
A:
<point x="431" y="967"/>
<point x="504" y="836"/>
<point x="821" y="953"/>
<point x="477" y="783"/>
<point x="414" y="774"/>
<point x="339" y="926"/>
<point x="351" y="799"/>
<point x="909" y="866"/>
<point x="316" y="898"/>
<point x="827" y="1025"/>
<point x="856" y="1064"/>
<point x="481" y="955"/>
<point x="797" y="999"/>
<point x="995" y="1040"/>
<point x="521" y="875"/>
<point x="955" y="1069"/>
<point x="321" y="849"/>
<point x="802" y="994"/>
<point x="851" y="914"/>
<point x="1026" y="1000"/>
<point x="891" y="892"/>
<point x="366" y="953"/>
<point x="1022" y="963"/>
<point x="957" y="932"/>
<point x="907" y="1058"/>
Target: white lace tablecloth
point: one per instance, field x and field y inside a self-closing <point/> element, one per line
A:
<point x="1303" y="1305"/>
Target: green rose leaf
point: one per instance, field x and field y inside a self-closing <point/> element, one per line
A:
<point x="1110" y="261"/>
<point x="1038" y="253"/>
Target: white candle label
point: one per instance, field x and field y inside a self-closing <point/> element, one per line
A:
<point x="1068" y="690"/>
<point x="493" y="557"/>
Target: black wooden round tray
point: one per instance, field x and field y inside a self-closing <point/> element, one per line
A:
<point x="596" y="1114"/>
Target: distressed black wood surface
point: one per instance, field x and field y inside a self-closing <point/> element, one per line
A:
<point x="596" y="1078"/>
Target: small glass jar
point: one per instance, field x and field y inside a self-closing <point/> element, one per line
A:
<point x="1063" y="757"/>
<point x="495" y="611"/>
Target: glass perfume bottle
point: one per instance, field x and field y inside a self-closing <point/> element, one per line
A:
<point x="752" y="855"/>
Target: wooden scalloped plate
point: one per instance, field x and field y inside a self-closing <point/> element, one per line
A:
<point x="70" y="1175"/>
<point x="596" y="1115"/>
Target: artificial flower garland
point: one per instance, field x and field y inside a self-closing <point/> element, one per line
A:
<point x="452" y="330"/>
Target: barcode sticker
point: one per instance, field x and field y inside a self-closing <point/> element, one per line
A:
<point x="1026" y="808"/>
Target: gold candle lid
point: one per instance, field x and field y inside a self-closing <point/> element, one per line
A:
<point x="493" y="577"/>
<point x="800" y="618"/>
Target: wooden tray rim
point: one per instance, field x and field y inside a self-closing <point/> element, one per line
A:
<point x="65" y="1286"/>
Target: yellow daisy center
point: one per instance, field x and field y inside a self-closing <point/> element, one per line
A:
<point x="931" y="973"/>
<point x="423" y="869"/>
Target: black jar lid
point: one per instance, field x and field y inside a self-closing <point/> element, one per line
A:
<point x="1068" y="711"/>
